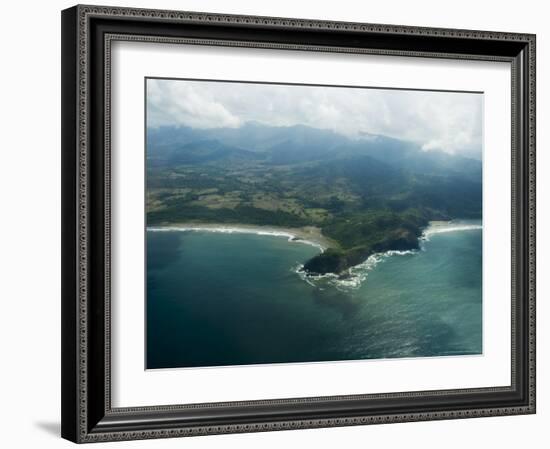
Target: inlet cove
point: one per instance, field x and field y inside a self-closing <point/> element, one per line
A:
<point x="208" y="289"/>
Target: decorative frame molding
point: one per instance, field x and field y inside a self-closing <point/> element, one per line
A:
<point x="88" y="32"/>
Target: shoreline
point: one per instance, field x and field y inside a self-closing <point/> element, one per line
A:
<point x="312" y="236"/>
<point x="440" y="227"/>
<point x="307" y="234"/>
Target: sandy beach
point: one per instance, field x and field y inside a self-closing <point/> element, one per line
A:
<point x="310" y="234"/>
<point x="436" y="223"/>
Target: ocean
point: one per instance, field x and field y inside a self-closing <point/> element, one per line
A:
<point x="216" y="299"/>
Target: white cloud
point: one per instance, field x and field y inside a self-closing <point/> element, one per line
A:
<point x="180" y="103"/>
<point x="446" y="121"/>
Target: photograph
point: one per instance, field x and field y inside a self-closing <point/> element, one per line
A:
<point x="276" y="222"/>
<point x="301" y="223"/>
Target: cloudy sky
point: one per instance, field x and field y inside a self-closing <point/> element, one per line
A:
<point x="446" y="121"/>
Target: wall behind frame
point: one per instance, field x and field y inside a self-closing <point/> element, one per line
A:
<point x="30" y="225"/>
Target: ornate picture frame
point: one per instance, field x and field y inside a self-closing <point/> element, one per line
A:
<point x="87" y="35"/>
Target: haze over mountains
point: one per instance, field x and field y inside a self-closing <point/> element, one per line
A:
<point x="298" y="143"/>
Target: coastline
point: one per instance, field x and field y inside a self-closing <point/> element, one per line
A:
<point x="307" y="234"/>
<point x="439" y="227"/>
<point x="331" y="259"/>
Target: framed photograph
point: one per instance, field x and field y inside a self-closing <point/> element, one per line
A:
<point x="275" y="223"/>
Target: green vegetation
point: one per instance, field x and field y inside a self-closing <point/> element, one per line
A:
<point x="367" y="195"/>
<point x="365" y="233"/>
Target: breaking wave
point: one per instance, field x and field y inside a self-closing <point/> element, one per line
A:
<point x="448" y="227"/>
<point x="352" y="278"/>
<point x="293" y="238"/>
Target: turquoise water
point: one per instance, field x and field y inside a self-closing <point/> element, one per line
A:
<point x="234" y="299"/>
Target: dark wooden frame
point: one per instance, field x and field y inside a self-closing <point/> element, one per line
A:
<point x="87" y="32"/>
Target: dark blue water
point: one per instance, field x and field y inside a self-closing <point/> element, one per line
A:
<point x="232" y="299"/>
